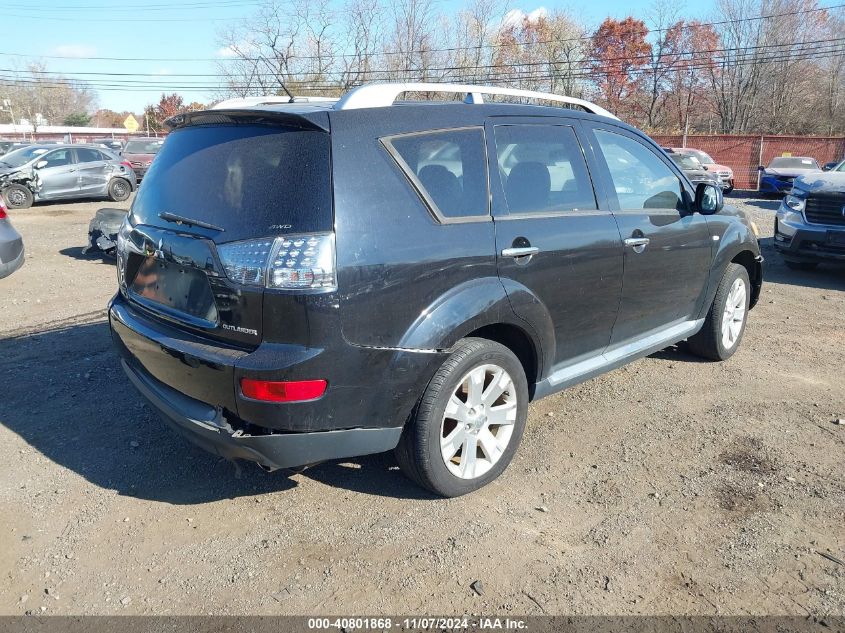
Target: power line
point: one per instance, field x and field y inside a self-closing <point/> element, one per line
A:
<point x="500" y="77"/>
<point x="685" y="26"/>
<point x="669" y="61"/>
<point x="678" y="56"/>
<point x="111" y="7"/>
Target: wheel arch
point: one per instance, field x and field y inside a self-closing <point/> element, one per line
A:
<point x="132" y="185"/>
<point x="753" y="264"/>
<point x="518" y="341"/>
<point x="482" y="308"/>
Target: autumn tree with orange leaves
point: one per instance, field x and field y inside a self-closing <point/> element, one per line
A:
<point x="618" y="51"/>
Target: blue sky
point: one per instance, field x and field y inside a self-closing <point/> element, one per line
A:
<point x="179" y="39"/>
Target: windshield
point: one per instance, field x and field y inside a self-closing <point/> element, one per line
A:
<point x="702" y="157"/>
<point x="21" y="157"/>
<point x="841" y="167"/>
<point x="143" y="147"/>
<point x="686" y="161"/>
<point x="789" y="162"/>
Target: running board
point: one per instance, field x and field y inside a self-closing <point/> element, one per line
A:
<point x="616" y="357"/>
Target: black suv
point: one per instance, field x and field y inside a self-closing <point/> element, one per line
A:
<point x="309" y="281"/>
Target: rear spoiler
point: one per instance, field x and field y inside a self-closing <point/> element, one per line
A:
<point x="315" y="120"/>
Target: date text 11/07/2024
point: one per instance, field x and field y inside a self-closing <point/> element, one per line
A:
<point x="419" y="624"/>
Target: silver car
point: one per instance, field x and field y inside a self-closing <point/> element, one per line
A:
<point x="52" y="172"/>
<point x="11" y="246"/>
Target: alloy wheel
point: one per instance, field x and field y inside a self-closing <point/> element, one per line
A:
<point x="734" y="315"/>
<point x="16" y="198"/>
<point x="479" y="420"/>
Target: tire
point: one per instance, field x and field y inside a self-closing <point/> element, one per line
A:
<point x="793" y="265"/>
<point x="712" y="341"/>
<point x="728" y="190"/>
<point x="420" y="452"/>
<point x="119" y="189"/>
<point x="18" y="197"/>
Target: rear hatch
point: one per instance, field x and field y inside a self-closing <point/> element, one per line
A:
<point x="207" y="218"/>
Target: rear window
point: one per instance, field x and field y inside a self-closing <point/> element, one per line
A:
<point x="250" y="180"/>
<point x="143" y="147"/>
<point x="793" y="163"/>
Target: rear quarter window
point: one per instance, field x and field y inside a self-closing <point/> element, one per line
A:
<point x="449" y="170"/>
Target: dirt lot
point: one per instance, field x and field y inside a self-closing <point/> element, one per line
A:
<point x="669" y="486"/>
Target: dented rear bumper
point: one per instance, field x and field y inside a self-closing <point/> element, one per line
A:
<point x="206" y="426"/>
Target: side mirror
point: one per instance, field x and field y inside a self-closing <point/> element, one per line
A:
<point x="829" y="166"/>
<point x="760" y="168"/>
<point x="708" y="199"/>
<point x="41" y="164"/>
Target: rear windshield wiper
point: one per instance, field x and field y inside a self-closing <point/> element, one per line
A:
<point x="179" y="219"/>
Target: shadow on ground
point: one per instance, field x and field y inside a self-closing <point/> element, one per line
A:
<point x="66" y="396"/>
<point x="828" y="276"/>
<point x="93" y="256"/>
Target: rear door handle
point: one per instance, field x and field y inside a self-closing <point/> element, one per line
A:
<point x="520" y="252"/>
<point x="637" y="243"/>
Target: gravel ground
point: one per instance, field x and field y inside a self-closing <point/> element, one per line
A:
<point x="671" y="486"/>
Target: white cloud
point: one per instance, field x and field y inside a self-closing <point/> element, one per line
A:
<point x="515" y="17"/>
<point x="235" y="50"/>
<point x="74" y="50"/>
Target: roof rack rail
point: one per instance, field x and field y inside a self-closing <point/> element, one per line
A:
<point x="377" y="95"/>
<point x="251" y="102"/>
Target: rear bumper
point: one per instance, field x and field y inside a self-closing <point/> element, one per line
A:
<point x="206" y="426"/>
<point x="195" y="383"/>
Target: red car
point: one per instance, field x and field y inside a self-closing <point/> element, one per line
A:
<point x="725" y="173"/>
<point x="140" y="153"/>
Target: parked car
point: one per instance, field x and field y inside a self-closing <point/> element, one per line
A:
<point x="140" y="153"/>
<point x="326" y="280"/>
<point x="777" y="177"/>
<point x="694" y="170"/>
<point x="114" y="144"/>
<point x="11" y="245"/>
<point x="725" y="173"/>
<point x="810" y="223"/>
<point x="10" y="146"/>
<point x="5" y="146"/>
<point x="51" y="172"/>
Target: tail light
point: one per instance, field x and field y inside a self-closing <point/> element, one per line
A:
<point x="3" y="215"/>
<point x="283" y="391"/>
<point x="293" y="262"/>
<point x="126" y="163"/>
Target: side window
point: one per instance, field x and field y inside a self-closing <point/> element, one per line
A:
<point x="641" y="179"/>
<point x="58" y="158"/>
<point x="543" y="169"/>
<point x="449" y="168"/>
<point x="88" y="155"/>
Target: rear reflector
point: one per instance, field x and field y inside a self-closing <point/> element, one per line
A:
<point x="283" y="391"/>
